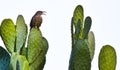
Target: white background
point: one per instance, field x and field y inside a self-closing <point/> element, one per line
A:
<point x="56" y="25"/>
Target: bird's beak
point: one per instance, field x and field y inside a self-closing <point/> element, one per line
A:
<point x="44" y="12"/>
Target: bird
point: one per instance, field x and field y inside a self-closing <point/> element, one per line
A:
<point x="36" y="20"/>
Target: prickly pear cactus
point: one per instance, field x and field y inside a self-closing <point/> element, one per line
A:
<point x="7" y="30"/>
<point x="80" y="56"/>
<point x="30" y="57"/>
<point x="18" y="62"/>
<point x="4" y="59"/>
<point x="91" y="43"/>
<point x="83" y="41"/>
<point x="21" y="33"/>
<point x="37" y="48"/>
<point x="107" y="58"/>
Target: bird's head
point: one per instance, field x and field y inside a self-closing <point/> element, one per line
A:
<point x="40" y="13"/>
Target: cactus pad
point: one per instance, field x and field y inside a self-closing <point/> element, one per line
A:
<point x="107" y="58"/>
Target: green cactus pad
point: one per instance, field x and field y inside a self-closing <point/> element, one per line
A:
<point x="80" y="57"/>
<point x="107" y="58"/>
<point x="21" y="33"/>
<point x="77" y="30"/>
<point x="72" y="31"/>
<point x="75" y="34"/>
<point x="35" y="44"/>
<point x="86" y="29"/>
<point x="23" y="63"/>
<point x="79" y="15"/>
<point x="45" y="44"/>
<point x="38" y="64"/>
<point x="7" y="30"/>
<point x="18" y="62"/>
<point x="91" y="43"/>
<point x="4" y="59"/>
<point x="24" y="51"/>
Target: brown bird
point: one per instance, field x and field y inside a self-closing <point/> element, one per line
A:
<point x="36" y="20"/>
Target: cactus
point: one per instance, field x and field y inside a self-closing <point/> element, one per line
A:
<point x="7" y="30"/>
<point x="91" y="43"/>
<point x="82" y="46"/>
<point x="37" y="51"/>
<point x="4" y="59"/>
<point x="32" y="57"/>
<point x="107" y="58"/>
<point x="18" y="62"/>
<point x="80" y="56"/>
<point x="21" y="33"/>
